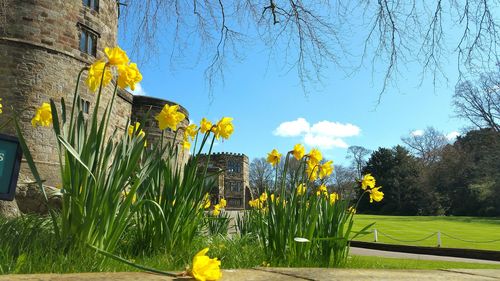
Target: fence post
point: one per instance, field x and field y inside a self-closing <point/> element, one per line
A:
<point x="439" y="239"/>
<point x="375" y="234"/>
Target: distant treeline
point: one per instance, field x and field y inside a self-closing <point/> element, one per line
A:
<point x="460" y="179"/>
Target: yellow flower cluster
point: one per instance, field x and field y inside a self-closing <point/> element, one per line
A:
<point x="322" y="190"/>
<point x="135" y="129"/>
<point x="205" y="268"/>
<point x="258" y="203"/>
<point x="100" y="71"/>
<point x="368" y="183"/>
<point x="222" y="204"/>
<point x="224" y="128"/>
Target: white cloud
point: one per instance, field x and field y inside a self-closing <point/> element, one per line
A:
<point x="417" y="133"/>
<point x="324" y="134"/>
<point x="139" y="91"/>
<point x="451" y="136"/>
<point x="335" y="129"/>
<point x="292" y="128"/>
<point x="324" y="142"/>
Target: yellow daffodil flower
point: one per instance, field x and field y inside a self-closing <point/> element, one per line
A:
<point x="128" y="76"/>
<point x="322" y="190"/>
<point x="1" y="106"/>
<point x="186" y="144"/>
<point x="274" y="157"/>
<point x="375" y="194"/>
<point x="223" y="203"/>
<point x="333" y="198"/>
<point x="206" y="201"/>
<point x="169" y="117"/>
<point x="116" y="56"/>
<point x="367" y="181"/>
<point x="191" y="131"/>
<point x="263" y="197"/>
<point x="205" y="268"/>
<point x="43" y="116"/>
<point x="301" y="189"/>
<point x="351" y="210"/>
<point x="315" y="156"/>
<point x="205" y="125"/>
<point x="141" y="133"/>
<point x="311" y="171"/>
<point x="94" y="75"/>
<point x="325" y="169"/>
<point x="298" y="151"/>
<point x="224" y="128"/>
<point x="216" y="210"/>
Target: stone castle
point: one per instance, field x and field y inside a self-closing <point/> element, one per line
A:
<point x="43" y="46"/>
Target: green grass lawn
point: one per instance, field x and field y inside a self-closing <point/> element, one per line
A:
<point x="406" y="228"/>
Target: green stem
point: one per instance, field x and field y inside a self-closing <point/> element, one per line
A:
<point x="142" y="267"/>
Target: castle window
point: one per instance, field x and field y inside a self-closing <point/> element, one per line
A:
<point x="233" y="167"/>
<point x="85" y="106"/>
<point x="88" y="41"/>
<point x="235" y="186"/>
<point x="92" y="4"/>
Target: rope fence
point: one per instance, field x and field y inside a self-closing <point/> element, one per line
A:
<point x="437" y="234"/>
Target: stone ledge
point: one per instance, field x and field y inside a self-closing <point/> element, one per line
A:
<point x="259" y="274"/>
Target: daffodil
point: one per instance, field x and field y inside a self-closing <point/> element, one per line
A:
<point x="272" y="197"/>
<point x="263" y="197"/>
<point x="375" y="194"/>
<point x="311" y="171"/>
<point x="206" y="201"/>
<point x="298" y="151"/>
<point x="223" y="203"/>
<point x="191" y="131"/>
<point x="301" y="189"/>
<point x="205" y="126"/>
<point x="322" y="190"/>
<point x="169" y="117"/>
<point x="132" y="129"/>
<point x="315" y="156"/>
<point x="186" y="145"/>
<point x="116" y="56"/>
<point x="43" y="116"/>
<point x="325" y="169"/>
<point x="333" y="198"/>
<point x="216" y="210"/>
<point x="224" y="128"/>
<point x="1" y="106"/>
<point x="274" y="157"/>
<point x="205" y="268"/>
<point x="128" y="76"/>
<point x="367" y="181"/>
<point x="94" y="75"/>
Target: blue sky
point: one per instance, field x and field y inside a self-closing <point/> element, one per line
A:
<point x="260" y="95"/>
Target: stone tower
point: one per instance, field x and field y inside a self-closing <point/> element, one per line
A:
<point x="235" y="175"/>
<point x="43" y="46"/>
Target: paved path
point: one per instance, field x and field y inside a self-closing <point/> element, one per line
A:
<point x="281" y="274"/>
<point x="399" y="255"/>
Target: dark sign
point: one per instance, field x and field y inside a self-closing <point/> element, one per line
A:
<point x="10" y="160"/>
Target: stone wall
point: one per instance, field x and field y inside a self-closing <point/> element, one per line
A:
<point x="236" y="177"/>
<point x="39" y="51"/>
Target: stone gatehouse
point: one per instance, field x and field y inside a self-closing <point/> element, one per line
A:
<point x="232" y="181"/>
